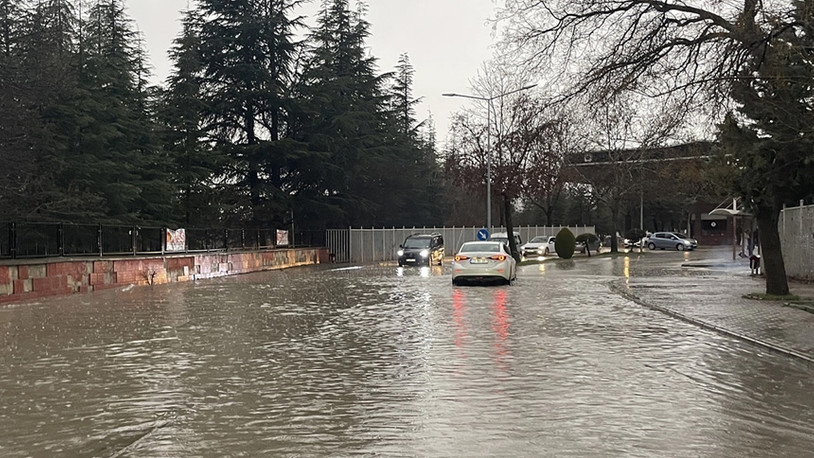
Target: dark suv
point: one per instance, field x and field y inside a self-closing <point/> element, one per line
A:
<point x="421" y="250"/>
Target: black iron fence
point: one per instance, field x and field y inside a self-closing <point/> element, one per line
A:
<point x="40" y="240"/>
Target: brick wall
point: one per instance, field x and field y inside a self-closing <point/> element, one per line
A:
<point x="36" y="279"/>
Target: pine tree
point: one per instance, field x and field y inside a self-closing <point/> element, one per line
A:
<point x="345" y="103"/>
<point x="246" y="52"/>
<point x="114" y="150"/>
<point x="418" y="181"/>
<point x="195" y="166"/>
<point x="17" y="122"/>
<point x="49" y="68"/>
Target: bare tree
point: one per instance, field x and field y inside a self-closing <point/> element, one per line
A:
<point x="713" y="52"/>
<point x="519" y="143"/>
<point x="544" y="183"/>
<point x="617" y="138"/>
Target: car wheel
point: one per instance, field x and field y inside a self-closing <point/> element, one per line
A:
<point x="651" y="246"/>
<point x="680" y="247"/>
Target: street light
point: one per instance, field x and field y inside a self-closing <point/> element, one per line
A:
<point x="488" y="101"/>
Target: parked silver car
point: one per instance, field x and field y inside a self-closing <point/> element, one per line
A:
<point x="671" y="241"/>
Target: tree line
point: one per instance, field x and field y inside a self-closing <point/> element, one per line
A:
<point x="263" y="120"/>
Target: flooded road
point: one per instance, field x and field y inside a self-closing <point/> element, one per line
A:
<point x="379" y="360"/>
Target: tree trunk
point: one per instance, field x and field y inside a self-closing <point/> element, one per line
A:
<point x="771" y="253"/>
<point x="614" y="228"/>
<point x="507" y="209"/>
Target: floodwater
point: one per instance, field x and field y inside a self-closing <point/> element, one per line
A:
<point x="379" y="360"/>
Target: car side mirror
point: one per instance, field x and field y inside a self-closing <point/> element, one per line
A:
<point x="401" y="246"/>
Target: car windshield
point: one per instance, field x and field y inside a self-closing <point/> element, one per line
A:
<point x="539" y="239"/>
<point x="476" y="247"/>
<point x="417" y="243"/>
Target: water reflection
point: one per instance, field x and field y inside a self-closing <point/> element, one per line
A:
<point x="423" y="271"/>
<point x="500" y="325"/>
<point x="459" y="318"/>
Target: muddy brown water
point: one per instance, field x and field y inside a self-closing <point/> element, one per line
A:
<point x="383" y="361"/>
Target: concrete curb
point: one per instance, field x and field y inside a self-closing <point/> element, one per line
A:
<point x="616" y="288"/>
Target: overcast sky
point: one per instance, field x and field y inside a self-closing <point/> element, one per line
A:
<point x="447" y="42"/>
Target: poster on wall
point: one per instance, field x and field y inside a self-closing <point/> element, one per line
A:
<point x="176" y="240"/>
<point x="282" y="237"/>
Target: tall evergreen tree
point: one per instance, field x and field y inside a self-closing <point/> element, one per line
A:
<point x="195" y="165"/>
<point x="114" y="152"/>
<point x="418" y="182"/>
<point x="49" y="67"/>
<point x="16" y="121"/>
<point x="345" y="103"/>
<point x="246" y="51"/>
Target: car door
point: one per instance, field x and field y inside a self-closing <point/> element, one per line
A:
<point x="438" y="249"/>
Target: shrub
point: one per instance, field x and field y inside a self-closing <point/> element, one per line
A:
<point x="565" y="243"/>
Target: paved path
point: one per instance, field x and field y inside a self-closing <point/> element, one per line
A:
<point x="708" y="290"/>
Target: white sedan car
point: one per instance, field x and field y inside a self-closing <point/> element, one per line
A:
<point x="541" y="245"/>
<point x="483" y="262"/>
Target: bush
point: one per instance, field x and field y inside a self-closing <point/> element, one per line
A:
<point x="565" y="243"/>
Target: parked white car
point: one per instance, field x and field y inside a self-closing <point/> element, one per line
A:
<point x="504" y="237"/>
<point x="541" y="245"/>
<point x="483" y="262"/>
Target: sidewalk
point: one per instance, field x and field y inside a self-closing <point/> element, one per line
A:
<point x="708" y="290"/>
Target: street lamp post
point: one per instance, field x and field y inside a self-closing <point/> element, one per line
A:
<point x="488" y="101"/>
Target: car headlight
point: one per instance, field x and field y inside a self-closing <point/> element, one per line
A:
<point x="424" y="253"/>
<point x="400" y="252"/>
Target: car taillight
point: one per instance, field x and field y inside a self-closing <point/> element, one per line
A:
<point x="498" y="257"/>
<point x="460" y="257"/>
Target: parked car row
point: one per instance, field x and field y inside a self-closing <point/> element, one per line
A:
<point x="491" y="260"/>
<point x="663" y="241"/>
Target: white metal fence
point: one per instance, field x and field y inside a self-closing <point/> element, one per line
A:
<point x="381" y="244"/>
<point x="797" y="239"/>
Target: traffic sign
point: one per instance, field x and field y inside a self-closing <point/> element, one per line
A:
<point x="483" y="234"/>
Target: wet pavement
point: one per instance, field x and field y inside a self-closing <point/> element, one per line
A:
<point x="707" y="287"/>
<point x="581" y="357"/>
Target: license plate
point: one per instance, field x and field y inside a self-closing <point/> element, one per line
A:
<point x="410" y="260"/>
<point x="478" y="261"/>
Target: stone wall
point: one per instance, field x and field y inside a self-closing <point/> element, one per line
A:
<point x="796" y="227"/>
<point x="31" y="279"/>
